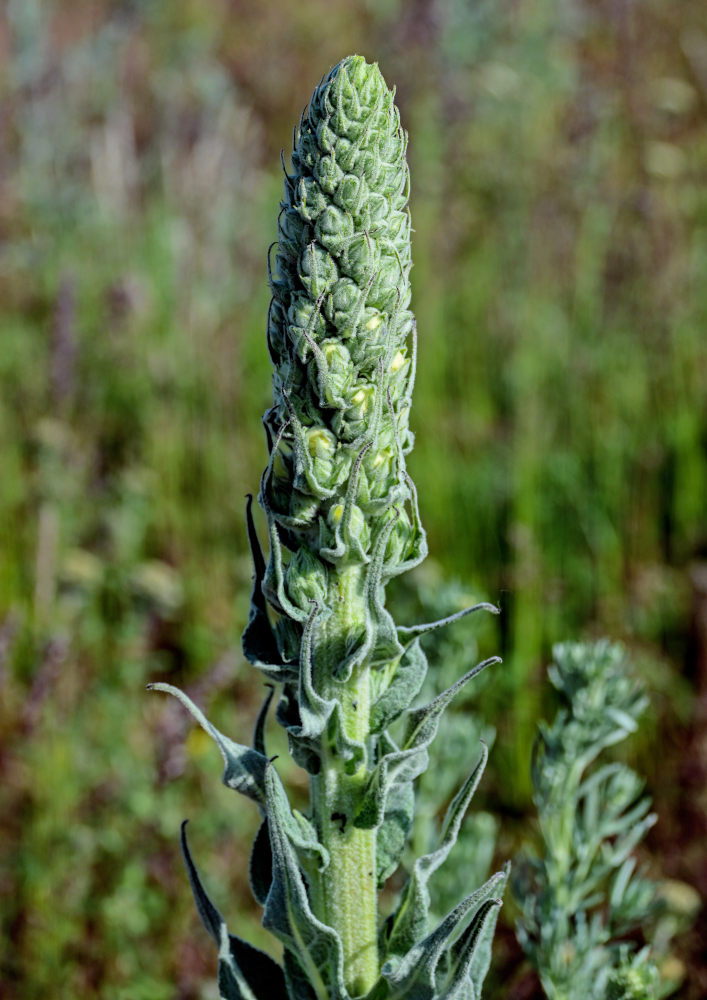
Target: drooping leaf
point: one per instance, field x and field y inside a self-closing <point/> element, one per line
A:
<point x="244" y="972"/>
<point x="210" y="916"/>
<point x="259" y="643"/>
<point x="244" y="769"/>
<point x="259" y="734"/>
<point x="260" y="867"/>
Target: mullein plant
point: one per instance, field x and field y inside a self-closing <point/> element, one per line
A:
<point x="343" y="520"/>
<point x="581" y="897"/>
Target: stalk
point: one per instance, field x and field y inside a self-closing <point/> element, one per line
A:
<point x="342" y="521"/>
<point x="336" y="490"/>
<point x="345" y="896"/>
<point x="337" y="333"/>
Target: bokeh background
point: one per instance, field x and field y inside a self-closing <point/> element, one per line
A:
<point x="558" y="153"/>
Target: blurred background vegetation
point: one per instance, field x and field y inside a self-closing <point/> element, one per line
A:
<point x="558" y="153"/>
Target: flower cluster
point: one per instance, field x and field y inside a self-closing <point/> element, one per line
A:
<point x="340" y="335"/>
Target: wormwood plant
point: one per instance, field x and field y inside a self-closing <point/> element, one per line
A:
<point x="582" y="895"/>
<point x="342" y="521"/>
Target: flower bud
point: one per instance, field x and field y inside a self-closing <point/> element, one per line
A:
<point x="306" y="579"/>
<point x="399" y="371"/>
<point x="352" y="421"/>
<point x="328" y="173"/>
<point x="294" y="232"/>
<point x="401" y="538"/>
<point x="333" y="373"/>
<point x="321" y="447"/>
<point x="356" y="533"/>
<point x="370" y="340"/>
<point x="340" y="328"/>
<point x="309" y="199"/>
<point x="303" y="507"/>
<point x="361" y="259"/>
<point x="333" y="228"/>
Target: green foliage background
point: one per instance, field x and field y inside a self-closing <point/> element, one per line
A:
<point x="558" y="154"/>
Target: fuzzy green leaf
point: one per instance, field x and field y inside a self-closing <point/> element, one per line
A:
<point x="415" y="976"/>
<point x="244" y="768"/>
<point x="405" y="764"/>
<point x="392" y="834"/>
<point x="409" y="921"/>
<point x="464" y="951"/>
<point x="408" y="632"/>
<point x="421" y="723"/>
<point x="406" y="683"/>
<point x="244" y="972"/>
<point x="480" y="959"/>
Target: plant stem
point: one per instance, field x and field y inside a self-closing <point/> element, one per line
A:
<point x="345" y="896"/>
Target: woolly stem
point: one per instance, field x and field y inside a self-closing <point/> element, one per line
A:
<point x="345" y="896"/>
